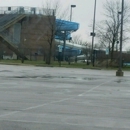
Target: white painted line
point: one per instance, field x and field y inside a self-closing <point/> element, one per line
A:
<point x="44" y="122"/>
<point x="38" y="106"/>
<point x="33" y="107"/>
<point x="9" y="114"/>
<point x="90" y="90"/>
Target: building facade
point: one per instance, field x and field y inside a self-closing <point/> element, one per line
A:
<point x="26" y="31"/>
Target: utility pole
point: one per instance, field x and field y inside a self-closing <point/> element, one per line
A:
<point x="72" y="6"/>
<point x="119" y="71"/>
<point x="93" y="35"/>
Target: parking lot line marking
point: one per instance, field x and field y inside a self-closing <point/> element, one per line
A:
<point x="58" y="101"/>
<point x="44" y="122"/>
<point x="33" y="107"/>
<point x="90" y="90"/>
<point x="9" y="114"/>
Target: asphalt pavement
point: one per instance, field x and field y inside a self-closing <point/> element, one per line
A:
<point x="52" y="98"/>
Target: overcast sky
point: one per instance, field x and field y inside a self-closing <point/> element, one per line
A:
<point x="83" y="13"/>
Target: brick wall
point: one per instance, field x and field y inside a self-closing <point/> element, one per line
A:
<point x="35" y="32"/>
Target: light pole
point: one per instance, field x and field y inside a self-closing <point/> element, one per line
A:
<point x="93" y="33"/>
<point x="72" y="6"/>
<point x="118" y="25"/>
<point x="65" y="33"/>
<point x="119" y="71"/>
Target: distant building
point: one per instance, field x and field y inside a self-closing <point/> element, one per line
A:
<point x="25" y="30"/>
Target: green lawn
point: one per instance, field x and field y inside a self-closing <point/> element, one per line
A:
<point x="42" y="63"/>
<point x="56" y="64"/>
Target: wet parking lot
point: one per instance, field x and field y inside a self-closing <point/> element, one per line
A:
<point x="37" y="98"/>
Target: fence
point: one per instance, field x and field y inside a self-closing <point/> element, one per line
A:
<point x="26" y="10"/>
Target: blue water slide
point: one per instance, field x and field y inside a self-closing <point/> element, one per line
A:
<point x="65" y="26"/>
<point x="62" y="25"/>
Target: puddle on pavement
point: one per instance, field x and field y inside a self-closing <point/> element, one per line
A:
<point x="90" y="78"/>
<point x="121" y="80"/>
<point x="6" y="71"/>
<point x="55" y="77"/>
<point x="45" y="76"/>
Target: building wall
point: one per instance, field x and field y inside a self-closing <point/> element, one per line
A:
<point x="32" y="33"/>
<point x="13" y="33"/>
<point x="17" y="33"/>
<point x="35" y="31"/>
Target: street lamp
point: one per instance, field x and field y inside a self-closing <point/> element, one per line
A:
<point x="119" y="71"/>
<point x="72" y="6"/>
<point x="118" y="25"/>
<point x="93" y="33"/>
<point x="65" y="32"/>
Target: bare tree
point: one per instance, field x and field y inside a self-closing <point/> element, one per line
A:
<point x="86" y="47"/>
<point x="77" y="39"/>
<point x="108" y="30"/>
<point x="52" y="10"/>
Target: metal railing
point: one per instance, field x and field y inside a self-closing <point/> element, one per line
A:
<point x="9" y="13"/>
<point x="26" y="10"/>
<point x="9" y="16"/>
